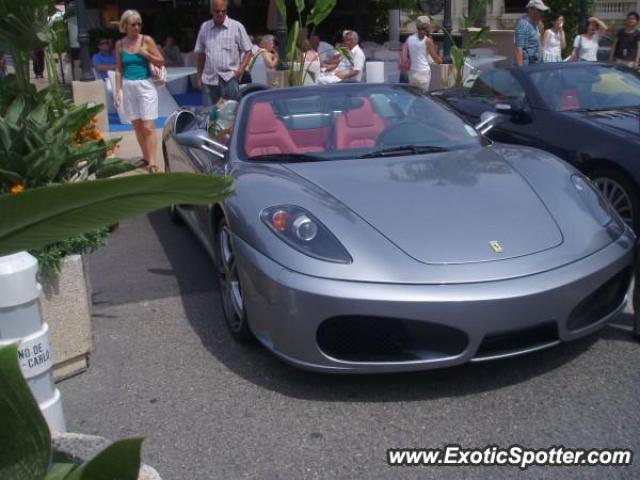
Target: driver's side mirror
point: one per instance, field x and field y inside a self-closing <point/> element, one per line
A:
<point x="488" y="120"/>
<point x="512" y="107"/>
<point x="198" y="139"/>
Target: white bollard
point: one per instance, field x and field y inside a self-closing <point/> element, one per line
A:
<point x="21" y="321"/>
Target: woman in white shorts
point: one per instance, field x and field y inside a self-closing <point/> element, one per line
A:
<point x="135" y="90"/>
<point x="422" y="53"/>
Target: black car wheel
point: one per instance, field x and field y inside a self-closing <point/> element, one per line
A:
<point x="173" y="211"/>
<point x="621" y="193"/>
<point x="233" y="303"/>
<point x="636" y="309"/>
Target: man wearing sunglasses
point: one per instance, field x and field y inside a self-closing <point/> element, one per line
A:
<point x="105" y="59"/>
<point x="223" y="51"/>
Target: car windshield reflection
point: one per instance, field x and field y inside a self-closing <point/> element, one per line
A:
<point x="592" y="87"/>
<point x="340" y="122"/>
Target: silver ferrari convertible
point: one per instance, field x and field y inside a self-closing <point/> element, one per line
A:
<point x="373" y="230"/>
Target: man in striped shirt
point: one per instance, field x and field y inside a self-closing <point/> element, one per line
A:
<point x="223" y="51"/>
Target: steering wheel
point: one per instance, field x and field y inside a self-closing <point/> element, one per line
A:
<point x="402" y="133"/>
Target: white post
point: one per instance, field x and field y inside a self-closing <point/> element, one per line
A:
<point x="21" y="321"/>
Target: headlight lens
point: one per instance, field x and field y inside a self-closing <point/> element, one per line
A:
<point x="305" y="233"/>
<point x="597" y="204"/>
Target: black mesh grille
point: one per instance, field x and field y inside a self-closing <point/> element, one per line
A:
<point x="600" y="303"/>
<point x="504" y="343"/>
<point x="377" y="339"/>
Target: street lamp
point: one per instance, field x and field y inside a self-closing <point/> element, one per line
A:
<point x="83" y="41"/>
<point x="584" y="14"/>
<point x="446" y="25"/>
<point x="281" y="33"/>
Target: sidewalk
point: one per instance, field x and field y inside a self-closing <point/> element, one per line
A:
<point x="130" y="150"/>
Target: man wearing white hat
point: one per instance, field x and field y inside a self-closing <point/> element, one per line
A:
<point x="422" y="53"/>
<point x="527" y="34"/>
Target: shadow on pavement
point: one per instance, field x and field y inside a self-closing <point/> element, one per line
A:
<point x="255" y="364"/>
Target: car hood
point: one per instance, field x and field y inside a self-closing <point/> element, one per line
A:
<point x="465" y="206"/>
<point x="623" y="120"/>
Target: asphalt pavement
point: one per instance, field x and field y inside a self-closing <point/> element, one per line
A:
<point x="165" y="368"/>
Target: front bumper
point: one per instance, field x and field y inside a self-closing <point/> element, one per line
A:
<point x="286" y="309"/>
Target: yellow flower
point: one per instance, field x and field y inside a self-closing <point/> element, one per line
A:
<point x="17" y="188"/>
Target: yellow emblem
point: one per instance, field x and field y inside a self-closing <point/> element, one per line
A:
<point x="496" y="246"/>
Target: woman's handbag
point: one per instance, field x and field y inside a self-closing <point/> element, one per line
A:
<point x="158" y="74"/>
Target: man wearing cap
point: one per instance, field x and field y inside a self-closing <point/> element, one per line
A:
<point x="527" y="35"/>
<point x="422" y="53"/>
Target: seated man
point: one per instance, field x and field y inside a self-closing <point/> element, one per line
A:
<point x="347" y="69"/>
<point x="171" y="52"/>
<point x="105" y="59"/>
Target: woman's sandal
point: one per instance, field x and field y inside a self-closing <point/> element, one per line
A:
<point x="142" y="163"/>
<point x="153" y="169"/>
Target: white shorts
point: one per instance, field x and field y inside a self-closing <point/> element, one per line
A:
<point x="420" y="79"/>
<point x="139" y="99"/>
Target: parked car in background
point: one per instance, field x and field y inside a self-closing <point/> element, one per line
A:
<point x="585" y="113"/>
<point x="374" y="230"/>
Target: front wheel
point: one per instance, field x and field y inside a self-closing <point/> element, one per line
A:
<point x="233" y="304"/>
<point x="621" y="193"/>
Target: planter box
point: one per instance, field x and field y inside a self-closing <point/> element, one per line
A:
<point x="66" y="307"/>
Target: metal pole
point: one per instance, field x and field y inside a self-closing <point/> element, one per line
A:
<point x="281" y="33"/>
<point x="83" y="41"/>
<point x="446" y="25"/>
<point x="584" y="15"/>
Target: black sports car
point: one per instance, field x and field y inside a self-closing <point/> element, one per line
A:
<point x="585" y="113"/>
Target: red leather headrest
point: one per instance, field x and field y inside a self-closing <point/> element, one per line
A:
<point x="262" y="120"/>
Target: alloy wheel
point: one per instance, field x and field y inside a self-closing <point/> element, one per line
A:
<point x="232" y="299"/>
<point x="617" y="196"/>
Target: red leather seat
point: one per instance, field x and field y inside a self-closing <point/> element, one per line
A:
<point x="358" y="128"/>
<point x="266" y="133"/>
<point x="570" y="99"/>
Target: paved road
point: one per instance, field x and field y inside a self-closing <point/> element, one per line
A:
<point x="165" y="368"/>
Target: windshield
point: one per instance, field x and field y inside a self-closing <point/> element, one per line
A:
<point x="340" y="122"/>
<point x="588" y="87"/>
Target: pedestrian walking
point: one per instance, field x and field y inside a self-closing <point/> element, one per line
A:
<point x="422" y="53"/>
<point x="554" y="41"/>
<point x="223" y="50"/>
<point x="585" y="45"/>
<point x="135" y="90"/>
<point x="626" y="47"/>
<point x="527" y="35"/>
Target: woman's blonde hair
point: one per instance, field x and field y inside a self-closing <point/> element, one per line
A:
<point x="126" y="17"/>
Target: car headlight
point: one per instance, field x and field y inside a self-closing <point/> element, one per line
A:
<point x="305" y="233"/>
<point x="601" y="209"/>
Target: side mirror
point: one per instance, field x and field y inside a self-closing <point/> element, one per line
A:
<point x="200" y="140"/>
<point x="513" y="107"/>
<point x="488" y="120"/>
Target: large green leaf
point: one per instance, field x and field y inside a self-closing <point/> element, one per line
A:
<point x="119" y="461"/>
<point x="24" y="435"/>
<point x="300" y="6"/>
<point x="320" y="11"/>
<point x="41" y="216"/>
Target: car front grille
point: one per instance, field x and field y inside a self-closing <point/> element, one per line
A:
<point x="379" y="339"/>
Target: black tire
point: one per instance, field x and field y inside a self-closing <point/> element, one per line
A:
<point x="233" y="304"/>
<point x="621" y="192"/>
<point x="636" y="310"/>
<point x="175" y="217"/>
